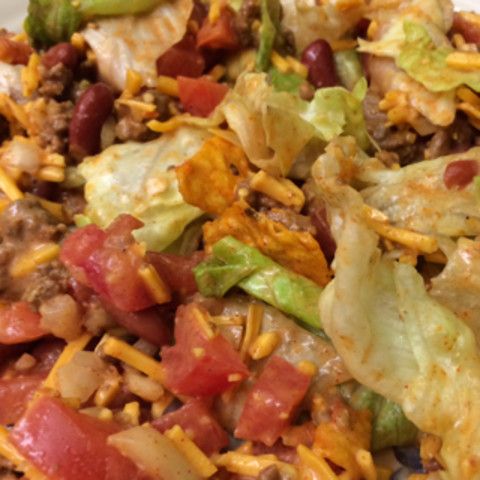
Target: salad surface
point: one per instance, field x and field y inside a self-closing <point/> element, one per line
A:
<point x="240" y="239"/>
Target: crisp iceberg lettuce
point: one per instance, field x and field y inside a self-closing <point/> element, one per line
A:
<point x="428" y="64"/>
<point x="273" y="127"/>
<point x="415" y="197"/>
<point x="400" y="342"/>
<point x="140" y="179"/>
<point x="135" y="42"/>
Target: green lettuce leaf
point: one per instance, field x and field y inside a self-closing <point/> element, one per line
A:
<point x="53" y="21"/>
<point x="335" y="111"/>
<point x="268" y="31"/>
<point x="140" y="179"/>
<point x="390" y="426"/>
<point x="400" y="342"/>
<point x="285" y="82"/>
<point x="273" y="126"/>
<point x="235" y="264"/>
<point x="427" y="64"/>
<point x="349" y="68"/>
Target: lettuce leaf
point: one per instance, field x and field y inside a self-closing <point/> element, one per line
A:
<point x="268" y="31"/>
<point x="415" y="197"/>
<point x="135" y="42"/>
<point x="234" y="263"/>
<point x="400" y="342"/>
<point x="273" y="127"/>
<point x="285" y="82"/>
<point x="138" y="178"/>
<point x="427" y="64"/>
<point x="390" y="427"/>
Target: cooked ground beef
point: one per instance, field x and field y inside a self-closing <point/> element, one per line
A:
<point x="4" y="129"/>
<point x="23" y="225"/>
<point x="53" y="126"/>
<point x="55" y="81"/>
<point x="291" y="219"/>
<point x="249" y="11"/>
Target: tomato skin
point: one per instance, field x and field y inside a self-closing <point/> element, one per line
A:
<point x="272" y="401"/>
<point x="205" y="373"/>
<point x="15" y="393"/>
<point x="108" y="262"/>
<point x="19" y="324"/>
<point x="200" y="96"/>
<point x="177" y="270"/>
<point x="67" y="445"/>
<point x="196" y="419"/>
<point x="152" y="324"/>
<point x="184" y="59"/>
<point x="220" y="34"/>
<point x="460" y="173"/>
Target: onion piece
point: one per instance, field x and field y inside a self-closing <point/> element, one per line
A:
<point x="154" y="453"/>
<point x="80" y="377"/>
<point x="61" y="316"/>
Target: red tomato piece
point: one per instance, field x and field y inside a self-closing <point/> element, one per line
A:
<point x="220" y="34"/>
<point x="152" y="324"/>
<point x="19" y="324"/>
<point x="196" y="419"/>
<point x="15" y="394"/>
<point x="200" y="365"/>
<point x="67" y="445"/>
<point x="15" y="53"/>
<point x="200" y="96"/>
<point x="460" y="173"/>
<point x="177" y="270"/>
<point x="108" y="262"/>
<point x="272" y="402"/>
<point x="184" y="58"/>
<point x="469" y="30"/>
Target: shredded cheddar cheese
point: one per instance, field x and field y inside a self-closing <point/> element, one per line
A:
<point x="167" y="85"/>
<point x="365" y="462"/>
<point x="31" y="259"/>
<point x="343" y="44"/>
<point x="107" y="390"/>
<point x="281" y="189"/>
<point x="52" y="174"/>
<point x="307" y="368"/>
<point x="133" y="83"/>
<point x="264" y="345"/>
<point x="8" y="186"/>
<point x="157" y="288"/>
<point x="279" y="62"/>
<point x="296" y="66"/>
<point x="468" y="61"/>
<point x="131" y="411"/>
<point x="124" y="352"/>
<point x="317" y="463"/>
<point x="252" y="327"/>
<point x="30" y="75"/>
<point x="202" y="465"/>
<point x="252" y="465"/>
<point x="159" y="407"/>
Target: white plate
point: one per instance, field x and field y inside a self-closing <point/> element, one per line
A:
<point x="12" y="12"/>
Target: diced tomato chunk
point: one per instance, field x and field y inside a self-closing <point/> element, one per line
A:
<point x="152" y="324"/>
<point x="19" y="324"/>
<point x="199" y="364"/>
<point x="184" y="59"/>
<point x="469" y="30"/>
<point x="108" y="262"/>
<point x="460" y="173"/>
<point x="13" y="52"/>
<point x="272" y="402"/>
<point x="15" y="394"/>
<point x="67" y="445"/>
<point x="177" y="270"/>
<point x="200" y="96"/>
<point x="196" y="419"/>
<point x="220" y="34"/>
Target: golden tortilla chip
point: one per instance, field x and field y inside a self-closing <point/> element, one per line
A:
<point x="209" y="179"/>
<point x="339" y="445"/>
<point x="298" y="251"/>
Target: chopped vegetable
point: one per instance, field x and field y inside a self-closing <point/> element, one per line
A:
<point x="234" y="263"/>
<point x="272" y="402"/>
<point x="297" y="251"/>
<point x="201" y="363"/>
<point x="19" y="324"/>
<point x="200" y="96"/>
<point x="285" y="82"/>
<point x="271" y="11"/>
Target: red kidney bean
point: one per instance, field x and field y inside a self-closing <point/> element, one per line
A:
<point x="90" y="113"/>
<point x="318" y="57"/>
<point x="323" y="234"/>
<point x="469" y="30"/>
<point x="184" y="59"/>
<point x="460" y="173"/>
<point x="64" y="53"/>
<point x="361" y="28"/>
